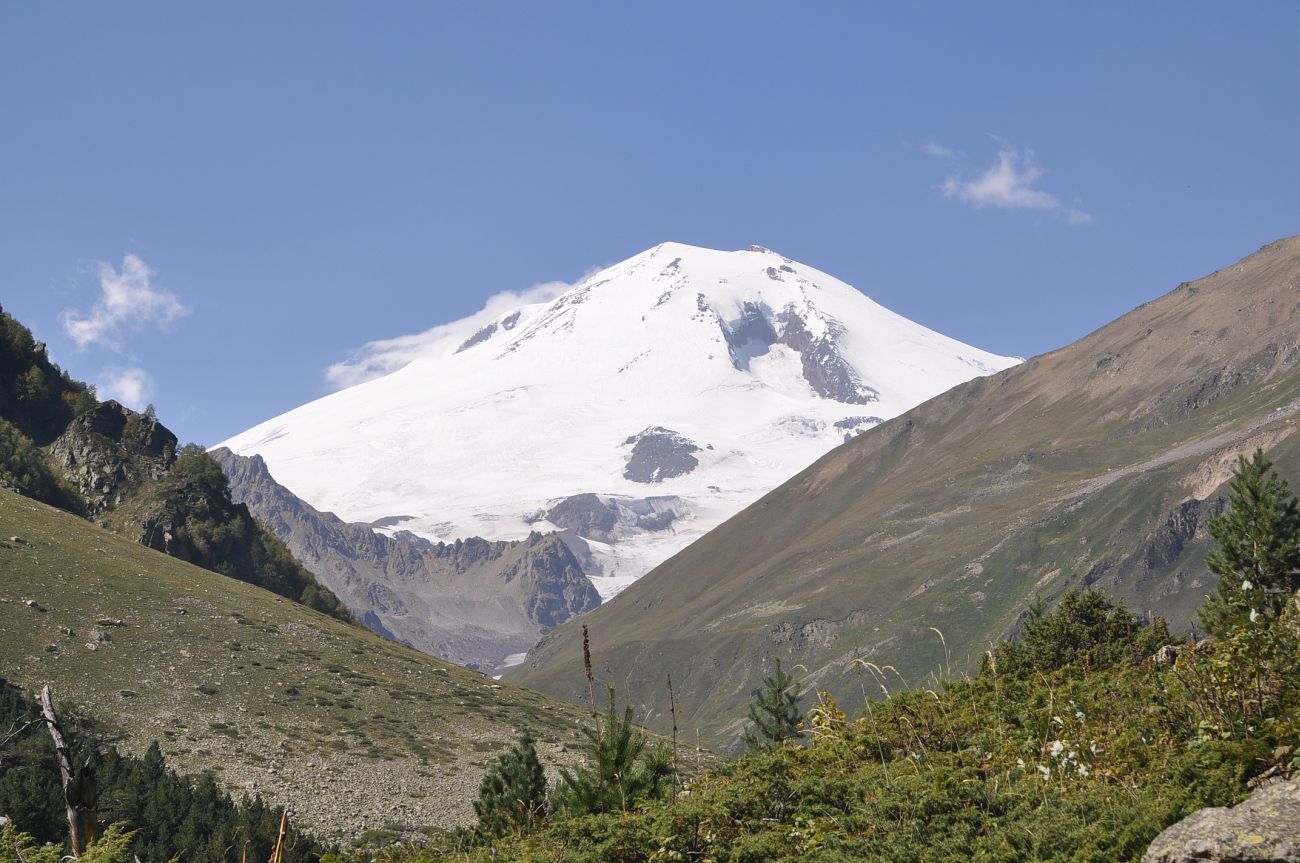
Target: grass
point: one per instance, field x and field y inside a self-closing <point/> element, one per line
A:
<point x="270" y="691"/>
<point x="1071" y="745"/>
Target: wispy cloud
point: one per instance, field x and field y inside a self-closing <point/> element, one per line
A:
<point x="128" y="301"/>
<point x="131" y="386"/>
<point x="379" y="358"/>
<point x="1012" y="183"/>
<point x="938" y="151"/>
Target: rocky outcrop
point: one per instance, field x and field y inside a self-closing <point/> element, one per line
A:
<point x="609" y="518"/>
<point x="828" y="373"/>
<point x="109" y="450"/>
<point x="749" y="336"/>
<point x="1264" y="829"/>
<point x="854" y="426"/>
<point x="659" y="454"/>
<point x="472" y="601"/>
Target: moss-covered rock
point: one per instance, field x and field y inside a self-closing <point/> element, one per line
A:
<point x="1265" y="828"/>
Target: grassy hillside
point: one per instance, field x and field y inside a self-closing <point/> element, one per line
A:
<point x="1097" y="464"/>
<point x="349" y="730"/>
<point x="1074" y="744"/>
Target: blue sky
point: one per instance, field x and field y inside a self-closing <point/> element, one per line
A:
<point x="204" y="206"/>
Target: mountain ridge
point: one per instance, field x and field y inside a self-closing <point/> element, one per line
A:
<point x="681" y="372"/>
<point x="472" y="602"/>
<point x="1083" y="454"/>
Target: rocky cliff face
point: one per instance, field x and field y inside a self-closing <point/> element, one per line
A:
<point x="473" y="602"/>
<point x="109" y="450"/>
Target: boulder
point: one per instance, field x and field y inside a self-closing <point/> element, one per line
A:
<point x="1263" y="829"/>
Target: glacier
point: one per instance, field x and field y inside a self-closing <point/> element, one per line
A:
<point x="634" y="411"/>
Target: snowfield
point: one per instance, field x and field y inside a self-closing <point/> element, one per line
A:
<point x="695" y="378"/>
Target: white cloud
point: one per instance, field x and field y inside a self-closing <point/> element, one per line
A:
<point x="1012" y="184"/>
<point x="938" y="151"/>
<point x="379" y="358"/>
<point x="131" y="386"/>
<point x="128" y="301"/>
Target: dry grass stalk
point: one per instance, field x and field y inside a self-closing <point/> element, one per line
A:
<point x="591" y="681"/>
<point x="672" y="709"/>
<point x="277" y="853"/>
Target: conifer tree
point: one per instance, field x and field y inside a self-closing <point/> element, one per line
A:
<point x="1258" y="552"/>
<point x="512" y="796"/>
<point x="775" y="711"/>
<point x="624" y="772"/>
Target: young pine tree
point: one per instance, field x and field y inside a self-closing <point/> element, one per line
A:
<point x="1258" y="552"/>
<point x="775" y="711"/>
<point x="512" y="797"/>
<point x="624" y="772"/>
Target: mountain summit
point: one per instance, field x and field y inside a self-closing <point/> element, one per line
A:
<point x="635" y="411"/>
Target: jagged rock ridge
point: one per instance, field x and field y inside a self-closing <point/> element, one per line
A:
<point x="474" y="602"/>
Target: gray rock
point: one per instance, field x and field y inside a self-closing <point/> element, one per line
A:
<point x="854" y="426"/>
<point x="482" y="335"/>
<point x="472" y="601"/>
<point x="610" y="518"/>
<point x="110" y="449"/>
<point x="659" y="453"/>
<point x="1166" y="655"/>
<point x="828" y="373"/>
<point x="588" y="515"/>
<point x="751" y="335"/>
<point x="1263" y="829"/>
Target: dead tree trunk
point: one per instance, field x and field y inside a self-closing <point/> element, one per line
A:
<point x="78" y="783"/>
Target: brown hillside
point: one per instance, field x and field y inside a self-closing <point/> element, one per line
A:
<point x="1094" y="464"/>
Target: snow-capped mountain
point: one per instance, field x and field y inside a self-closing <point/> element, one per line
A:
<point x="636" y="410"/>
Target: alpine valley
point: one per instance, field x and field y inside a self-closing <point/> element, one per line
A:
<point x="595" y="433"/>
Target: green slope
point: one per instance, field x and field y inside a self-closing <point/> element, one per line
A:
<point x="1095" y="464"/>
<point x="349" y="730"/>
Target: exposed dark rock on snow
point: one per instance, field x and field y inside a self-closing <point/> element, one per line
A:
<point x="479" y="337"/>
<point x="854" y="426"/>
<point x="749" y="336"/>
<point x="609" y="519"/>
<point x="659" y="453"/>
<point x="828" y="373"/>
<point x="473" y="602"/>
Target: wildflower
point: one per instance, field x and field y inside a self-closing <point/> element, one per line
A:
<point x="1047" y="773"/>
<point x="1056" y="748"/>
<point x="1246" y="585"/>
<point x="1254" y="615"/>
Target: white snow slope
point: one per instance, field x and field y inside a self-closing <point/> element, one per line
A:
<point x="751" y="356"/>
